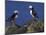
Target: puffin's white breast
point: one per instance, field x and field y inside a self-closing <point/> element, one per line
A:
<point x="31" y="13"/>
<point x="16" y="16"/>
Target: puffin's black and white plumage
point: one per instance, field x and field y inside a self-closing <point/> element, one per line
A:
<point x="33" y="12"/>
<point x="15" y="15"/>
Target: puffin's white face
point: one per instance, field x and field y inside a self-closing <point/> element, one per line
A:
<point x="16" y="11"/>
<point x="30" y="6"/>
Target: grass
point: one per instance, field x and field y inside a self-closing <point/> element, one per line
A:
<point x="34" y="26"/>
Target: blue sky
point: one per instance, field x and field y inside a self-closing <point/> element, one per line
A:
<point x="23" y="8"/>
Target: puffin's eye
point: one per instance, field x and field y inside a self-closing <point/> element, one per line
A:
<point x="16" y="11"/>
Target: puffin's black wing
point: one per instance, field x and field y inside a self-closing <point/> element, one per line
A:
<point x="34" y="13"/>
<point x="13" y="16"/>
